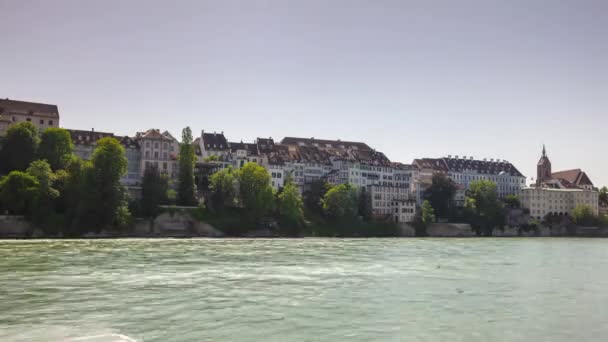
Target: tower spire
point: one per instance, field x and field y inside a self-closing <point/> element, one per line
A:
<point x="544" y="151"/>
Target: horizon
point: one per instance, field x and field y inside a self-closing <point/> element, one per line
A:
<point x="412" y="80"/>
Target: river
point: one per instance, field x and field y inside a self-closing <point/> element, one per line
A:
<point x="304" y="290"/>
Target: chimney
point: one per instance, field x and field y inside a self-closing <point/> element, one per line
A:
<point x="202" y="132"/>
<point x="222" y="132"/>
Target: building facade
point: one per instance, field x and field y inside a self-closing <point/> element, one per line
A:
<point x="41" y="115"/>
<point x="560" y="202"/>
<point x="158" y="149"/>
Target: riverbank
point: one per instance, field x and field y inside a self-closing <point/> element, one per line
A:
<point x="183" y="225"/>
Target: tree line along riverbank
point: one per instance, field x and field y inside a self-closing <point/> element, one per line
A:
<point x="60" y="194"/>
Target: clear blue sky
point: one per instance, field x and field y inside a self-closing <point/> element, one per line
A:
<point x="426" y="78"/>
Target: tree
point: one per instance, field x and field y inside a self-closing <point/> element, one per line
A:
<point x="484" y="210"/>
<point x="154" y="190"/>
<point x="109" y="164"/>
<point x="583" y="215"/>
<point x="223" y="185"/>
<point x="428" y="213"/>
<point x="186" y="189"/>
<point x="56" y="147"/>
<point x="341" y="202"/>
<point x="43" y="203"/>
<point x="255" y="192"/>
<point x="17" y="191"/>
<point x="365" y="204"/>
<point x="603" y="196"/>
<point x="440" y="194"/>
<point x="19" y="147"/>
<point x="290" y="205"/>
<point x="313" y="197"/>
<point x="512" y="201"/>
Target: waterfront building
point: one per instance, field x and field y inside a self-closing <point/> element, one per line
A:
<point x="85" y="142"/>
<point x="465" y="170"/>
<point x="391" y="202"/>
<point x="213" y="145"/>
<point x="133" y="176"/>
<point x="568" y="179"/>
<point x="159" y="150"/>
<point x="42" y="115"/>
<point x="558" y="193"/>
<point x="555" y="201"/>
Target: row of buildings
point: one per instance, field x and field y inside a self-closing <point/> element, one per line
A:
<point x="396" y="188"/>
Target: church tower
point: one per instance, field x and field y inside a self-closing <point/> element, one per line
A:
<point x="543" y="169"/>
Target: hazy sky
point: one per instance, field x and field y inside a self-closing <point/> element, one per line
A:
<point x="489" y="79"/>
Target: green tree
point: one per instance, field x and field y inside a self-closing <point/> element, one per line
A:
<point x="428" y="213"/>
<point x="603" y="195"/>
<point x="77" y="199"/>
<point x="56" y="147"/>
<point x="17" y="191"/>
<point x="365" y="204"/>
<point x="314" y="195"/>
<point x="43" y="203"/>
<point x="341" y="202"/>
<point x="484" y="210"/>
<point x="109" y="165"/>
<point x="583" y="215"/>
<point x="440" y="194"/>
<point x="512" y="201"/>
<point x="290" y="205"/>
<point x="186" y="189"/>
<point x="19" y="147"/>
<point x="223" y="186"/>
<point x="154" y="190"/>
<point x="255" y="193"/>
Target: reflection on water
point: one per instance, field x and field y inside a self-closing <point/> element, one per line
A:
<point x="304" y="290"/>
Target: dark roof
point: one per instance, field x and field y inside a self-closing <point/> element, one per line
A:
<point x="482" y="166"/>
<point x="252" y="149"/>
<point x="215" y="142"/>
<point x="265" y="145"/>
<point x="311" y="155"/>
<point x="23" y="107"/>
<point x="324" y="143"/>
<point x="197" y="146"/>
<point x="401" y="166"/>
<point x="435" y="164"/>
<point x="572" y="178"/>
<point x="279" y="155"/>
<point x="128" y="142"/>
<point x="81" y="137"/>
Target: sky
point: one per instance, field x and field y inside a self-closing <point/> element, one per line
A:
<point x="428" y="78"/>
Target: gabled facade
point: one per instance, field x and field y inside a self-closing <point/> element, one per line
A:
<point x="159" y="149"/>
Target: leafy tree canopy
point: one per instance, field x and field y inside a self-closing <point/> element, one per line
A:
<point x="19" y="147"/>
<point x="440" y="194"/>
<point x="341" y="202"/>
<point x="56" y="147"/>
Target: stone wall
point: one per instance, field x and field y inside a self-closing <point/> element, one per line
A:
<point x="405" y="230"/>
<point x="177" y="224"/>
<point x="14" y="227"/>
<point x="450" y="230"/>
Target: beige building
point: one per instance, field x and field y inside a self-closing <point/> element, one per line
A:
<point x="41" y="115"/>
<point x="392" y="202"/>
<point x="561" y="202"/>
<point x="158" y="149"/>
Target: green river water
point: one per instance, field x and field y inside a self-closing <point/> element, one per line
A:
<point x="304" y="290"/>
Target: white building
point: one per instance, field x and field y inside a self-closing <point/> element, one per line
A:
<point x="464" y="170"/>
<point x="392" y="202"/>
<point x="561" y="202"/>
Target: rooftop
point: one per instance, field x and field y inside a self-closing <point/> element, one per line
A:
<point x="8" y="106"/>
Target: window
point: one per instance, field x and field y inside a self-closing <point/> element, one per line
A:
<point x="165" y="146"/>
<point x="156" y="154"/>
<point x="14" y="119"/>
<point x="42" y="122"/>
<point x="155" y="145"/>
<point x="147" y="144"/>
<point x="164" y="166"/>
<point x="29" y="119"/>
<point x="50" y="122"/>
<point x="147" y="154"/>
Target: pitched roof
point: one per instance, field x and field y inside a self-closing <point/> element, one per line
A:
<point x="324" y="143"/>
<point x="155" y="133"/>
<point x="22" y="107"/>
<point x="482" y="166"/>
<point x="252" y="149"/>
<point x="214" y="142"/>
<point x="81" y="137"/>
<point x="572" y="178"/>
<point x="435" y="164"/>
